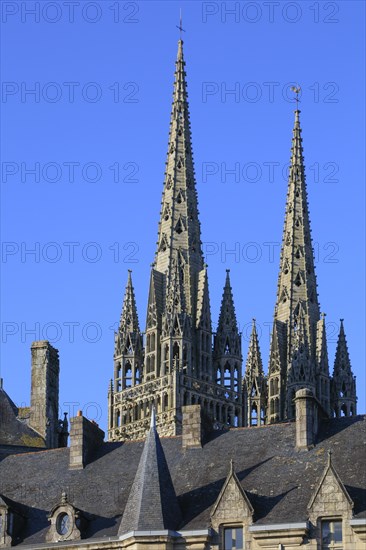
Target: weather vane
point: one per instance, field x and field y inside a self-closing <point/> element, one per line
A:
<point x="296" y="90"/>
<point x="180" y="27"/>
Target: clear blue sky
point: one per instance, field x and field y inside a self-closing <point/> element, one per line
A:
<point x="103" y="75"/>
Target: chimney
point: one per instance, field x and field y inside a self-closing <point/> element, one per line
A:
<point x="85" y="438"/>
<point x="192" y="427"/>
<point x="306" y="419"/>
<point x="44" y="392"/>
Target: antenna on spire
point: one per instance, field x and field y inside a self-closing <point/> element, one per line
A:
<point x="180" y="27"/>
<point x="153" y="418"/>
<point x="296" y="90"/>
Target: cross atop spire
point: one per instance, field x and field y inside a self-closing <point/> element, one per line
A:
<point x="180" y="26"/>
<point x="296" y="90"/>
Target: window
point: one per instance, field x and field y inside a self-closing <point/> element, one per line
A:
<point x="331" y="535"/>
<point x="63" y="524"/>
<point x="233" y="538"/>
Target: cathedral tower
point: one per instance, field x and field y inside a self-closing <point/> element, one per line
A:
<point x="298" y="357"/>
<point x="177" y="364"/>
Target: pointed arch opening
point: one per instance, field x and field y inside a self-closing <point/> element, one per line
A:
<point x="254" y="415"/>
<point x="128" y="375"/>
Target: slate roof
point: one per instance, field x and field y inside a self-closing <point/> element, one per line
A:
<point x="12" y="430"/>
<point x="278" y="480"/>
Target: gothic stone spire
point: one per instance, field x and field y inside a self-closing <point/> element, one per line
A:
<point x="179" y="227"/>
<point x="128" y="343"/>
<point x="254" y="384"/>
<point x="297" y="309"/>
<point x="129" y="320"/>
<point x="297" y="281"/>
<point x="344" y="382"/>
<point x="227" y="346"/>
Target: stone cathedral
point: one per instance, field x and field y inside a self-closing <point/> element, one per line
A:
<point x="203" y="452"/>
<point x="179" y="361"/>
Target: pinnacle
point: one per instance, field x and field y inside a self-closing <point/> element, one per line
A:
<point x="342" y="361"/>
<point x="254" y="359"/>
<point x="129" y="319"/>
<point x="227" y="315"/>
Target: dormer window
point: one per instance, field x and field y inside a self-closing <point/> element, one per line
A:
<point x="11" y="524"/>
<point x="67" y="522"/>
<point x="63" y="523"/>
<point x="233" y="538"/>
<point x="331" y="534"/>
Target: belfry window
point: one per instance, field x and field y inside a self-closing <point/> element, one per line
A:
<point x="331" y="534"/>
<point x="233" y="538"/>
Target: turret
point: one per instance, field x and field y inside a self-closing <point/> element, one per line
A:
<point x="227" y="355"/>
<point x="254" y="384"/>
<point x="343" y="387"/>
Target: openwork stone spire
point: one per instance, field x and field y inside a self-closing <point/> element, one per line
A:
<point x="128" y="350"/>
<point x="343" y="391"/>
<point x="227" y="349"/>
<point x="179" y="227"/>
<point x="297" y="282"/>
<point x="129" y="320"/>
<point x="254" y="384"/>
<point x="293" y="357"/>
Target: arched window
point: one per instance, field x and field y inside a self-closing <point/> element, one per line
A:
<point x="254" y="416"/>
<point x="128" y="375"/>
<point x="227" y="376"/>
<point x="263" y="415"/>
<point x="137" y="376"/>
<point x="276" y="405"/>
<point x="176" y="352"/>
